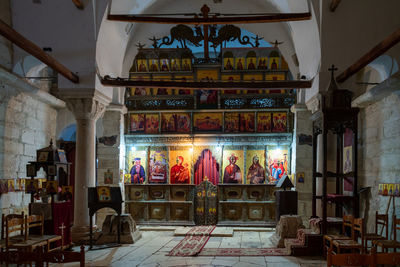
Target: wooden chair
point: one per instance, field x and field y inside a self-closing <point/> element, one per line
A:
<point x="37" y="221"/>
<point x="380" y="219"/>
<point x="386" y="244"/>
<point x="351" y="244"/>
<point x="349" y="259"/>
<point x="15" y="223"/>
<point x="32" y="242"/>
<point x="16" y="238"/>
<point x="327" y="239"/>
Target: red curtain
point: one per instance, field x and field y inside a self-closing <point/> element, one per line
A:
<point x="206" y="166"/>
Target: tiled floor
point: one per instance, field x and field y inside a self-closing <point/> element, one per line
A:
<point x="152" y="248"/>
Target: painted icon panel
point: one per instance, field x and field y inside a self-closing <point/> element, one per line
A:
<point x="137" y="123"/>
<point x="264" y="122"/>
<point x="175" y="122"/>
<point x="207" y="122"/>
<point x="137" y="164"/>
<point x="233" y="166"/>
<point x="158" y="166"/>
<point x="255" y="164"/>
<point x="142" y="65"/>
<point x="180" y="159"/>
<point x="231" y="122"/>
<point x="152" y="123"/>
<point x="277" y="164"/>
<point x="279" y="122"/>
<point x="247" y="122"/>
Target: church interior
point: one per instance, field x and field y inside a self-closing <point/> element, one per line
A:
<point x="200" y="133"/>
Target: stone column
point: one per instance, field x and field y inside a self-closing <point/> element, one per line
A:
<point x="111" y="151"/>
<point x="302" y="159"/>
<point x="87" y="105"/>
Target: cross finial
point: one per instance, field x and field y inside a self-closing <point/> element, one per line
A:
<point x="332" y="70"/>
<point x="204" y="11"/>
<point x="139" y="45"/>
<point x="155" y="41"/>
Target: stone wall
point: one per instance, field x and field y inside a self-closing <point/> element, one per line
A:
<point x="379" y="154"/>
<point x="26" y="124"/>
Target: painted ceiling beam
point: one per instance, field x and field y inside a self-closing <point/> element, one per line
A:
<point x="78" y="4"/>
<point x="375" y="52"/>
<point x="119" y="82"/>
<point x="278" y="17"/>
<point x="30" y="47"/>
<point x="334" y="4"/>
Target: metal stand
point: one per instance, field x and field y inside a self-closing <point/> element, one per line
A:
<point x="94" y="205"/>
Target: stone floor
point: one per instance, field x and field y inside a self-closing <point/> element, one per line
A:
<point x="152" y="248"/>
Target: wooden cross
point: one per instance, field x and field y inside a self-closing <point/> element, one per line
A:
<point x="155" y="41"/>
<point x="332" y="70"/>
<point x="62" y="227"/>
<point x="204" y="11"/>
<point x="256" y="41"/>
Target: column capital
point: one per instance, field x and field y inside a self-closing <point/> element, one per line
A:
<point x="298" y="108"/>
<point x="117" y="107"/>
<point x="85" y="103"/>
<point x="314" y="103"/>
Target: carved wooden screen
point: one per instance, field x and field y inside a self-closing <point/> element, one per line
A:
<point x="205" y="204"/>
<point x="206" y="166"/>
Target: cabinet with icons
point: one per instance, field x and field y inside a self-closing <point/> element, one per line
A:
<point x="160" y="204"/>
<point x="251" y="205"/>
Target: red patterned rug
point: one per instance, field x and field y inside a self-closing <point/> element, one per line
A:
<point x="194" y="241"/>
<point x="201" y="230"/>
<point x="235" y="252"/>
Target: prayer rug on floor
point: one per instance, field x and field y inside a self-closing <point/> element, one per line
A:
<point x="193" y="242"/>
<point x="235" y="252"/>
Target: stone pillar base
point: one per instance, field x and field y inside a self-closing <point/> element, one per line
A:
<point x="81" y="234"/>
<point x="129" y="232"/>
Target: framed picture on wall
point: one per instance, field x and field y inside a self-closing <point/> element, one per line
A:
<point x="51" y="170"/>
<point x="31" y="186"/>
<point x="61" y="156"/>
<point x="31" y="170"/>
<point x="43" y="156"/>
<point x="104" y="193"/>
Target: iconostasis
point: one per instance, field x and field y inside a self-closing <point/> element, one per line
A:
<point x="204" y="122"/>
<point x="227" y="164"/>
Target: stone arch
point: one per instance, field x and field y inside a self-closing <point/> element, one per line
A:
<point x="68" y="133"/>
<point x="115" y="48"/>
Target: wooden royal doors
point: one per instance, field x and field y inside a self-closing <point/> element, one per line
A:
<point x="205" y="204"/>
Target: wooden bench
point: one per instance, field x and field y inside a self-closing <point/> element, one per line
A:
<point x="373" y="259"/>
<point x="40" y="257"/>
<point x="349" y="259"/>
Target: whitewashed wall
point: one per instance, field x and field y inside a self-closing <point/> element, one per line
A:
<point x="379" y="153"/>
